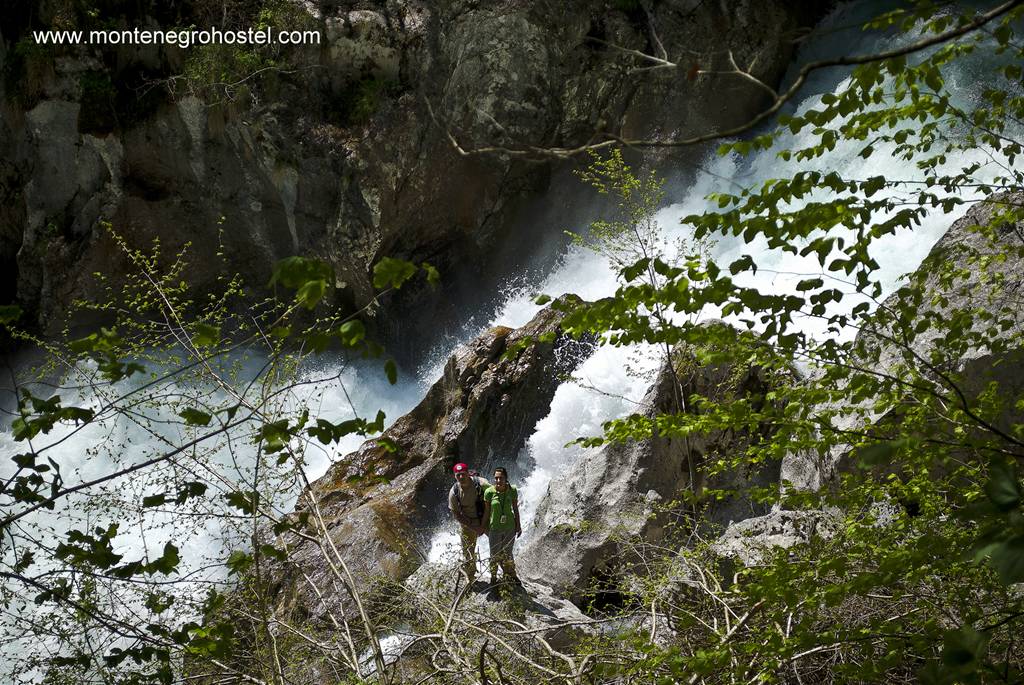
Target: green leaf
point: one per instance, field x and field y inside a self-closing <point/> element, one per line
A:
<point x="744" y="263"/>
<point x="273" y="552"/>
<point x="433" y="275"/>
<point x="392" y="273"/>
<point x="388" y="445"/>
<point x="274" y="435"/>
<point x="542" y="299"/>
<point x="311" y="292"/>
<point x="154" y="500"/>
<point x="809" y="284"/>
<point x="294" y="272"/>
<point x="24" y="461"/>
<point x="1003" y="487"/>
<point x="189" y="490"/>
<point x="310" y="278"/>
<point x="352" y="332"/>
<point x="633" y="271"/>
<point x="964" y="647"/>
<point x="878" y="453"/>
<point x="377" y="425"/>
<point x="243" y="501"/>
<point x="167" y="563"/>
<point x="238" y="562"/>
<point x="195" y="417"/>
<point x="9" y="313"/>
<point x="205" y="335"/>
<point x="873" y="185"/>
<point x="1007" y="558"/>
<point x="158" y="602"/>
<point x="391" y="371"/>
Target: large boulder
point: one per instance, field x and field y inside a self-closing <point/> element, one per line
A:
<point x="987" y="265"/>
<point x="750" y="541"/>
<point x="591" y="517"/>
<point x="380" y="503"/>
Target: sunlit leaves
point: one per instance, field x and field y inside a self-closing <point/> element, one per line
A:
<point x="432" y="274"/>
<point x="352" y="333"/>
<point x="908" y="388"/>
<point x="238" y="562"/>
<point x="274" y="435"/>
<point x="105" y="348"/>
<point x="327" y="432"/>
<point x="205" y="335"/>
<point x="37" y="415"/>
<point x="392" y="273"/>
<point x="309" y="278"/>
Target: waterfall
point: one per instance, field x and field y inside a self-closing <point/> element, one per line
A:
<point x="607" y="386"/>
<point x="602" y="389"/>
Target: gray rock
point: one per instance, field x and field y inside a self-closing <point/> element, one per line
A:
<point x="590" y="519"/>
<point x="749" y="541"/>
<point x="534" y="607"/>
<point x="992" y="285"/>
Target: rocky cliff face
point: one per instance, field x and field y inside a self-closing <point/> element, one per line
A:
<point x="347" y="156"/>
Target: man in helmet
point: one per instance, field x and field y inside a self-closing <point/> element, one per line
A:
<point x="466" y="502"/>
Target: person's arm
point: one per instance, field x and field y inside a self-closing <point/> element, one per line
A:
<point x="515" y="508"/>
<point x="487" y="514"/>
<point x="453" y="506"/>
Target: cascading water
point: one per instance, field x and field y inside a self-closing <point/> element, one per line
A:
<point x="332" y="389"/>
<point x="603" y="390"/>
<point x="609" y="384"/>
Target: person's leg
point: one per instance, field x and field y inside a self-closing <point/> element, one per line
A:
<point x="501" y="552"/>
<point x="509" y="565"/>
<point x="494" y="543"/>
<point x="468" y="553"/>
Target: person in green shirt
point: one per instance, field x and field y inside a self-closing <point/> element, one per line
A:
<point x="502" y="525"/>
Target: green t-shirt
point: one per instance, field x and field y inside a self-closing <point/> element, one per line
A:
<point x="503" y="513"/>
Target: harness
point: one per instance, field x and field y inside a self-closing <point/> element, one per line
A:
<point x="457" y="491"/>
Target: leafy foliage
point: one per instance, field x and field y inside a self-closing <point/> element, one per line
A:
<point x="904" y="411"/>
<point x="191" y="411"/>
